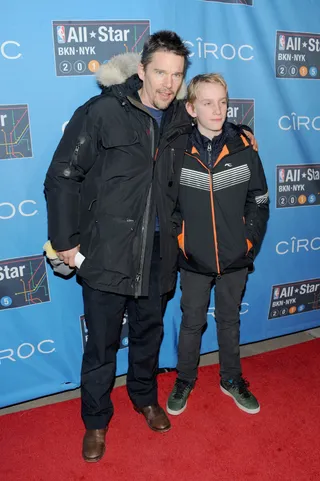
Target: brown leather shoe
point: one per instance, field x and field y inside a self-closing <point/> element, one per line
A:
<point x="156" y="418"/>
<point x="94" y="446"/>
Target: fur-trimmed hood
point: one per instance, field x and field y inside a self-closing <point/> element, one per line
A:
<point x="123" y="66"/>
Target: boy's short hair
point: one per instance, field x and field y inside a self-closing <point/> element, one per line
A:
<point x="210" y="78"/>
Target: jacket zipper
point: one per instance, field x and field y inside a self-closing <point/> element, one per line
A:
<point x="215" y="240"/>
<point x="214" y="225"/>
<point x="173" y="154"/>
<point x="172" y="161"/>
<point x="209" y="150"/>
<point x="75" y="153"/>
<point x="145" y="221"/>
<point x="74" y="158"/>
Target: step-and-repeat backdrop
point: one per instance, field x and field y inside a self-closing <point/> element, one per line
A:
<point x="269" y="53"/>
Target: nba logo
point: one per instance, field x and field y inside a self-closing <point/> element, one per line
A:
<point x="282" y="42"/>
<point x="281" y="176"/>
<point x="276" y="293"/>
<point x="61" y="34"/>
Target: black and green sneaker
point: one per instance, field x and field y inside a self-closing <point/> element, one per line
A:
<point x="177" y="401"/>
<point x="241" y="395"/>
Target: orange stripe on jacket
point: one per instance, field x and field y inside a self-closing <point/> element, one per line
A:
<point x="194" y="150"/>
<point x="244" y="140"/>
<point x="249" y="245"/>
<point x="181" y="240"/>
<point x="223" y="153"/>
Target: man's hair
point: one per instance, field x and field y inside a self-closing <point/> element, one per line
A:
<point x="209" y="78"/>
<point x="165" y="41"/>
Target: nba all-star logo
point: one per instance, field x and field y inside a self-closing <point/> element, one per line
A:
<point x="240" y="2"/>
<point x="294" y="298"/>
<point x="297" y="185"/>
<point x="297" y="55"/>
<point x="241" y="111"/>
<point x="23" y="282"/>
<point x="15" y="132"/>
<point x="80" y="47"/>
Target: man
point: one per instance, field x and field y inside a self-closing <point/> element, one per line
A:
<point x="224" y="207"/>
<point x="103" y="191"/>
<point x="106" y="195"/>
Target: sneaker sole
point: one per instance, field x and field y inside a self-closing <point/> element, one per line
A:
<point x="176" y="413"/>
<point x="246" y="410"/>
<point x="180" y="411"/>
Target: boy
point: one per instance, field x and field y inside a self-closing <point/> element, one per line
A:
<point x="224" y="207"/>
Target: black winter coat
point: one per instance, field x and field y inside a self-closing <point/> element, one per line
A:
<point x="108" y="178"/>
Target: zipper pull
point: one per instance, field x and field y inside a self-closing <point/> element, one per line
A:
<point x="173" y="154"/>
<point x="209" y="150"/>
<point x="138" y="278"/>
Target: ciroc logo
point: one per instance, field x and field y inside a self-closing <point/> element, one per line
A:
<point x="10" y="49"/>
<point x="294" y="246"/>
<point x="244" y="309"/>
<point x="27" y="350"/>
<point x="227" y="51"/>
<point x="299" y="122"/>
<point x="25" y="208"/>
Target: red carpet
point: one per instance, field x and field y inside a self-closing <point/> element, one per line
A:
<point x="213" y="440"/>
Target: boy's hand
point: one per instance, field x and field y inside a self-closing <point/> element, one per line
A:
<point x="68" y="256"/>
<point x="253" y="140"/>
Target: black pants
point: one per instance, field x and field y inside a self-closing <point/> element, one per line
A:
<point x="104" y="315"/>
<point x="196" y="289"/>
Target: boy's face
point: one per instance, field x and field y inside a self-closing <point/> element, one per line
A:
<point x="162" y="79"/>
<point x="210" y="108"/>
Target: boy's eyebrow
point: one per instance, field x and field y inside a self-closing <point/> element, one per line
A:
<point x="206" y="100"/>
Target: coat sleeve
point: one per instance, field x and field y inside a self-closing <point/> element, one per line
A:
<point x="73" y="158"/>
<point x="257" y="204"/>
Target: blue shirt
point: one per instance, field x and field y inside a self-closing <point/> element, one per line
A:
<point x="157" y="115"/>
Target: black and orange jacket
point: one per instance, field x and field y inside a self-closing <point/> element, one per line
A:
<point x="223" y="209"/>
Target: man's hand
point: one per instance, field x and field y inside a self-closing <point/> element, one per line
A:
<point x="68" y="256"/>
<point x="253" y="140"/>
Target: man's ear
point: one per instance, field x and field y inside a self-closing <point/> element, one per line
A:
<point x="190" y="110"/>
<point x="141" y="71"/>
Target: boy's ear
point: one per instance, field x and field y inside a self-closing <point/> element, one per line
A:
<point x="190" y="110"/>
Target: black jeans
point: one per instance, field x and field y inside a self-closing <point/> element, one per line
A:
<point x="104" y="315"/>
<point x="196" y="289"/>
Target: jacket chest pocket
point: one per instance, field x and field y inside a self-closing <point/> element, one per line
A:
<point x="119" y="139"/>
<point x="121" y="154"/>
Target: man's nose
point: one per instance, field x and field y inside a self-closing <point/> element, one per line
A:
<point x="168" y="81"/>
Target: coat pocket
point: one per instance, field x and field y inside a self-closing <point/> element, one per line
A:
<point x="114" y="246"/>
<point x="119" y="138"/>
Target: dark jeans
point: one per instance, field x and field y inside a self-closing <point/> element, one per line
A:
<point x="196" y="289"/>
<point x="104" y="315"/>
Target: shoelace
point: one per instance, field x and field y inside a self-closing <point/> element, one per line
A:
<point x="180" y="386"/>
<point x="243" y="386"/>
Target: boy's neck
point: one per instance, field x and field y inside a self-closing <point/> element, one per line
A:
<point x="210" y="134"/>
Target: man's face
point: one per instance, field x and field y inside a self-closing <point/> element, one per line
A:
<point x="162" y="79"/>
<point x="210" y="108"/>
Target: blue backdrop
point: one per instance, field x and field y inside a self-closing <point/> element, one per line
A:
<point x="269" y="53"/>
